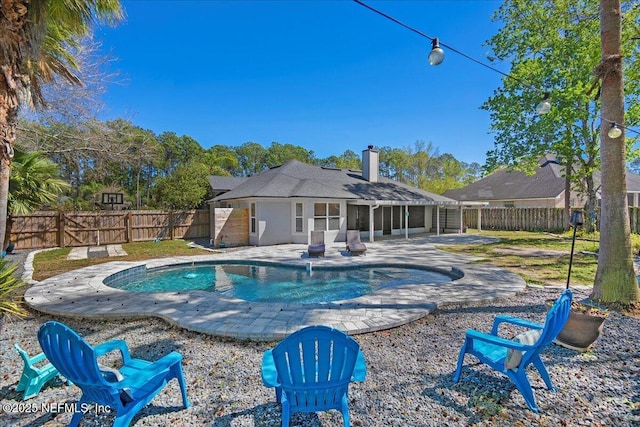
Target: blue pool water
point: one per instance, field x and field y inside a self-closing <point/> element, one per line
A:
<point x="269" y="283"/>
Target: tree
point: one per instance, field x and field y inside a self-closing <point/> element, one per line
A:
<point x="393" y="164"/>
<point x="36" y="42"/>
<point x="221" y="160"/>
<point x="178" y="150"/>
<point x="615" y="277"/>
<point x="347" y="160"/>
<point x="279" y="154"/>
<point x="35" y="182"/>
<point x="252" y="158"/>
<point x="554" y="47"/>
<point x="128" y="168"/>
<point x="186" y="188"/>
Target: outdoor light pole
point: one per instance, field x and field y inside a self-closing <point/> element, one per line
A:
<point x="575" y="222"/>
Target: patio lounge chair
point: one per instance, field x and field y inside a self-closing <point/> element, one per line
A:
<point x="125" y="390"/>
<point x="354" y="244"/>
<point x="311" y="370"/>
<point x="511" y="357"/>
<point x="34" y="377"/>
<point x="316" y="245"/>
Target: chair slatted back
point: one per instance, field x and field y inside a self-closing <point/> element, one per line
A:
<point x="556" y="318"/>
<point x="315" y="366"/>
<point x="353" y="237"/>
<point x="76" y="360"/>
<point x="317" y="238"/>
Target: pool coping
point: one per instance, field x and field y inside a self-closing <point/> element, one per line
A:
<point x="82" y="293"/>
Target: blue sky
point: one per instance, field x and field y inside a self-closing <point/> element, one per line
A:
<point x="328" y="76"/>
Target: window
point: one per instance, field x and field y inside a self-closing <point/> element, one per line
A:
<point x="510" y="204"/>
<point x="326" y="216"/>
<point x="252" y="217"/>
<point x="299" y="218"/>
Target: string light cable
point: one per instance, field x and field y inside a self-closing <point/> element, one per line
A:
<point x="451" y="48"/>
<point x="542" y="108"/>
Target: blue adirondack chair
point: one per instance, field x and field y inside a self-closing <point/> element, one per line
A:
<point x="34" y="376"/>
<point x="311" y="370"/>
<point x="124" y="391"/>
<point x="493" y="350"/>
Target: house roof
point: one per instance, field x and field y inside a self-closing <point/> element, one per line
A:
<point x="547" y="182"/>
<point x="297" y="179"/>
<point x="633" y="183"/>
<point x="224" y="183"/>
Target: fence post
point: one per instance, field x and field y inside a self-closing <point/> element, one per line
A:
<point x="129" y="237"/>
<point x="60" y="229"/>
<point x="170" y="225"/>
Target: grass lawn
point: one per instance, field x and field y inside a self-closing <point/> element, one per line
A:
<point x="50" y="263"/>
<point x="540" y="258"/>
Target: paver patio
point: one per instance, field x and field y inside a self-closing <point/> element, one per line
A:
<point x="82" y="293"/>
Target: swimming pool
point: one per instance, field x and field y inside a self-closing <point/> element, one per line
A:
<point x="262" y="282"/>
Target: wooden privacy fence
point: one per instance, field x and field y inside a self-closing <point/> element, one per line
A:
<point x="531" y="219"/>
<point x="525" y="219"/>
<point x="48" y="229"/>
<point x="231" y="227"/>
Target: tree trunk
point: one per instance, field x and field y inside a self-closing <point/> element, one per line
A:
<point x="567" y="193"/>
<point x="591" y="206"/>
<point x="615" y="279"/>
<point x="8" y="125"/>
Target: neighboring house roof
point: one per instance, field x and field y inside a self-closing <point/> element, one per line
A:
<point x="297" y="179"/>
<point x="547" y="182"/>
<point x="633" y="183"/>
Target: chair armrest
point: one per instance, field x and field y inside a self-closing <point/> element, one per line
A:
<point x="269" y="373"/>
<point x="360" y="370"/>
<point x="492" y="339"/>
<point x="514" y="321"/>
<point x="37" y="358"/>
<point x="150" y="375"/>
<point x="165" y="362"/>
<point x="110" y="346"/>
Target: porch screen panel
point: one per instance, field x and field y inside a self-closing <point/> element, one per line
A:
<point x="358" y="218"/>
<point x="416" y="216"/>
<point x="397" y="216"/>
<point x="352" y="217"/>
<point x="377" y="219"/>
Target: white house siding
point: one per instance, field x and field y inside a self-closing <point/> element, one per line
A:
<point x="274" y="223"/>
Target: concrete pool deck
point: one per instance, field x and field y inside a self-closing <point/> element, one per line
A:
<point x="82" y="293"/>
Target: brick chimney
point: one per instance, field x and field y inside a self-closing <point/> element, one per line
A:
<point x="370" y="164"/>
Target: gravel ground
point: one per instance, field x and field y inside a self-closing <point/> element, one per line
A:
<point x="409" y="381"/>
